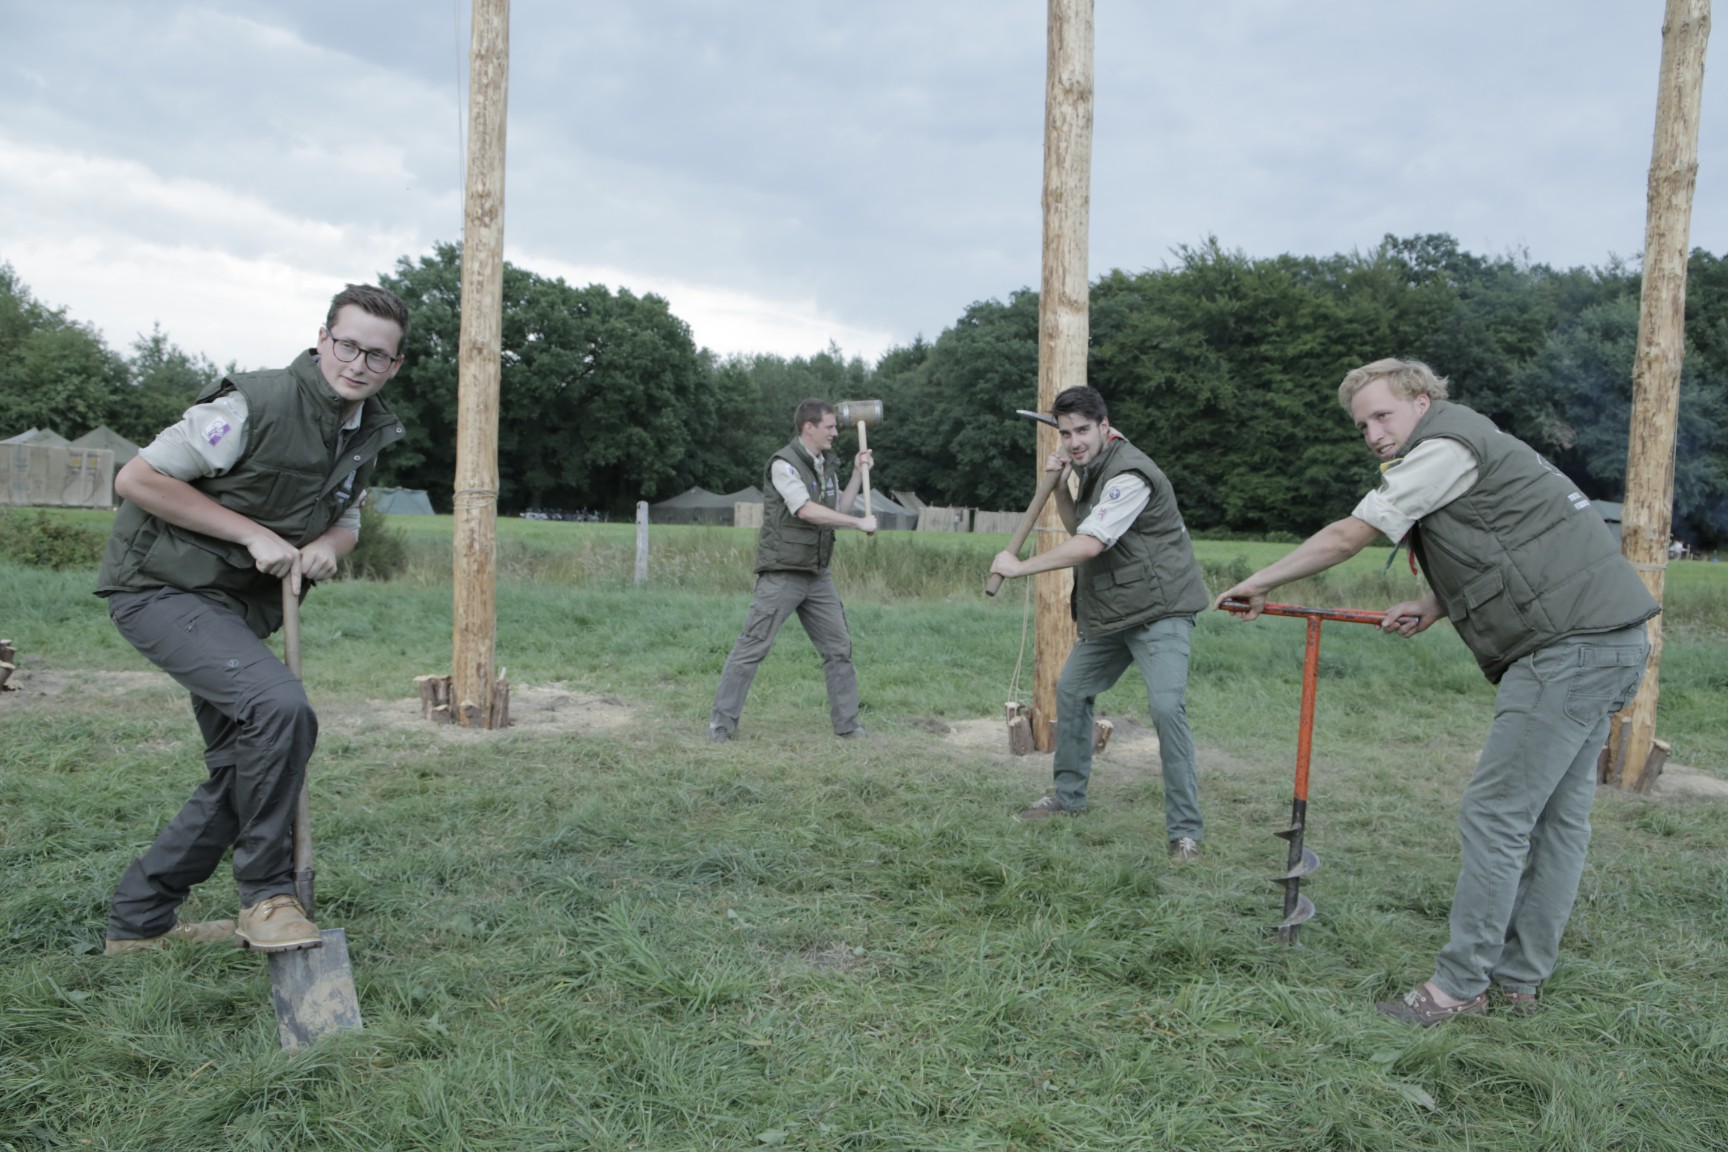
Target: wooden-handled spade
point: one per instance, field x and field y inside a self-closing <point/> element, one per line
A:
<point x="313" y="988"/>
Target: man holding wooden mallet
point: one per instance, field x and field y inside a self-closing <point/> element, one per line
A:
<point x="801" y="504"/>
<point x="1137" y="588"/>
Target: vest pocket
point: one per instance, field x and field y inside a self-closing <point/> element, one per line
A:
<point x="1490" y="615"/>
<point x="192" y="561"/>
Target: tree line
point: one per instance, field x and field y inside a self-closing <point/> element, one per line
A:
<point x="1222" y="366"/>
<point x="58" y="374"/>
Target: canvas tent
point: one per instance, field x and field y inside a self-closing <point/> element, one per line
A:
<point x="700" y="506"/>
<point x="103" y="436"/>
<point x="46" y="472"/>
<point x="400" y="501"/>
<point x="42" y="436"/>
<point x="891" y="516"/>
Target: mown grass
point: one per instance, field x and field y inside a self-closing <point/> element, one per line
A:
<point x="636" y="939"/>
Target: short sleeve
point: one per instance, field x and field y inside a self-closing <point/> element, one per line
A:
<point x="1434" y="474"/>
<point x="1118" y="506"/>
<point x="206" y="441"/>
<point x="790" y="487"/>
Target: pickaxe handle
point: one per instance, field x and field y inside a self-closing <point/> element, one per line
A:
<point x="1027" y="522"/>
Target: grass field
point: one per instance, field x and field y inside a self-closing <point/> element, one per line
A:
<point x="596" y="930"/>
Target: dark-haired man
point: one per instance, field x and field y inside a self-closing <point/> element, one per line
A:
<point x="801" y="502"/>
<point x="1535" y="585"/>
<point x="1137" y="588"/>
<point x="260" y="482"/>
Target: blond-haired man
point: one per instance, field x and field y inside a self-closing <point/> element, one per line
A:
<point x="1535" y="585"/>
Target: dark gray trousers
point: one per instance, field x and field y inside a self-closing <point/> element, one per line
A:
<point x="777" y="596"/>
<point x="259" y="731"/>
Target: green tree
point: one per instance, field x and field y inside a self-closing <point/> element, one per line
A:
<point x="163" y="381"/>
<point x="602" y="396"/>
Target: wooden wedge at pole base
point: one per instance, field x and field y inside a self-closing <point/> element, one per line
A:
<point x="1612" y="760"/>
<point x="437" y="705"/>
<point x="1019" y="729"/>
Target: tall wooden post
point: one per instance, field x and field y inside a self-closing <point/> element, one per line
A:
<point x="1647" y="518"/>
<point x="1064" y="312"/>
<point x="475" y="545"/>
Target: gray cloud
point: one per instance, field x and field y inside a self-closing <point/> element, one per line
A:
<point x="787" y="173"/>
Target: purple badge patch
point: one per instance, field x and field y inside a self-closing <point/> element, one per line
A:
<point x="215" y="430"/>
<point x="1113" y="494"/>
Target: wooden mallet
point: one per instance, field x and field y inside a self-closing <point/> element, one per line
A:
<point x="863" y="413"/>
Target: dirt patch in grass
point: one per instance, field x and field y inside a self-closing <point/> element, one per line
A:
<point x="1679" y="782"/>
<point x="534" y="709"/>
<point x="1132" y="753"/>
<point x="28" y="686"/>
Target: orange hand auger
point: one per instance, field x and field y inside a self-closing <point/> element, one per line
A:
<point x="1302" y="860"/>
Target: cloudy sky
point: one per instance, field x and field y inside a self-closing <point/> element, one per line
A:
<point x="789" y="173"/>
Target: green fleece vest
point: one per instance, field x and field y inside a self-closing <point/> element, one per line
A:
<point x="1522" y="559"/>
<point x="288" y="478"/>
<point x="786" y="543"/>
<point x="1149" y="573"/>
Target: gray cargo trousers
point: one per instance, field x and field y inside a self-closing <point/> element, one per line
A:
<point x="1160" y="650"/>
<point x="1524" y="824"/>
<point x="777" y="596"/>
<point x="259" y="731"/>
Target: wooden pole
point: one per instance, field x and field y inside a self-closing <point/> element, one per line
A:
<point x="641" y="543"/>
<point x="475" y="546"/>
<point x="1647" y="518"/>
<point x="1063" y="314"/>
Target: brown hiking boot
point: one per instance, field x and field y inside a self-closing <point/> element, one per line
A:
<point x="1421" y="1009"/>
<point x="276" y="924"/>
<point x="1043" y="810"/>
<point x="203" y="932"/>
<point x="1184" y="849"/>
<point x="1517" y="1003"/>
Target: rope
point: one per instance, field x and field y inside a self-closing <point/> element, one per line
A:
<point x="1020" y="659"/>
<point x="474" y="497"/>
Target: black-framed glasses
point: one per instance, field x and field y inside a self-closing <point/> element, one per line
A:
<point x="347" y="351"/>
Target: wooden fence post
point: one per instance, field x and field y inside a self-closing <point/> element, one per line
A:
<point x="641" y="543"/>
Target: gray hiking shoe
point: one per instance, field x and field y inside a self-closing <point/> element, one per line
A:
<point x="1184" y="849"/>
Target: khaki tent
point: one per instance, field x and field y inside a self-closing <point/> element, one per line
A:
<point x="699" y="506"/>
<point x="42" y="436"/>
<point x="105" y="437"/>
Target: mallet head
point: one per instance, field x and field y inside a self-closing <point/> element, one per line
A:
<point x="855" y="412"/>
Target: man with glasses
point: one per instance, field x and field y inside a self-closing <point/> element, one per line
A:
<point x="259" y="482"/>
<point x="801" y="502"/>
